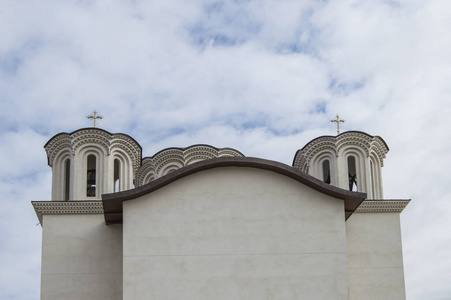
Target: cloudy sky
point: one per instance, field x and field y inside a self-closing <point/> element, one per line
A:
<point x="264" y="77"/>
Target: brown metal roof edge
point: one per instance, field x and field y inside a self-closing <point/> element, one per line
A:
<point x="112" y="203"/>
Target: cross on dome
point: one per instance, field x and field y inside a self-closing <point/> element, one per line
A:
<point x="94" y="117"/>
<point x="338" y="123"/>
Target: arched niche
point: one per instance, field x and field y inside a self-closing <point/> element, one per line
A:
<point x="91" y="175"/>
<point x="121" y="171"/>
<point x="375" y="179"/>
<point x="89" y="184"/>
<point x="61" y="176"/>
<point x="353" y="169"/>
<point x="170" y="167"/>
<point x="66" y="187"/>
<point x="148" y="178"/>
<point x="174" y="162"/>
<point x="116" y="175"/>
<point x="324" y="167"/>
<point x="352" y="173"/>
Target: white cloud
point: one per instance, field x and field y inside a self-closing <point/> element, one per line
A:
<point x="263" y="77"/>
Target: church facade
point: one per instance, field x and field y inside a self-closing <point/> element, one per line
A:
<point x="209" y="223"/>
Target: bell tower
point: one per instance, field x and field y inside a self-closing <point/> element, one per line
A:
<point x="352" y="160"/>
<point x="90" y="162"/>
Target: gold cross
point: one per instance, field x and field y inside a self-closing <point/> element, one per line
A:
<point x="338" y="123"/>
<point x="95" y="117"/>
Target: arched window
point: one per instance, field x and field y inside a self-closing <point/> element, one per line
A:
<point x="91" y="178"/>
<point x="117" y="181"/>
<point x="326" y="171"/>
<point x="352" y="173"/>
<point x="66" y="179"/>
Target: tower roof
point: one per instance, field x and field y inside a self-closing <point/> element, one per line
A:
<point x="70" y="141"/>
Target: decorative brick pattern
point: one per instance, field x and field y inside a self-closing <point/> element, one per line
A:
<point x="66" y="208"/>
<point x="382" y="206"/>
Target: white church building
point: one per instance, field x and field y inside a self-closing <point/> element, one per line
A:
<point x="209" y="223"/>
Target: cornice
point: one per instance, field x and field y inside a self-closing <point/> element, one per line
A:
<point x="66" y="208"/>
<point x="382" y="206"/>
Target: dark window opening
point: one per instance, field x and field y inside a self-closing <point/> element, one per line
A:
<point x="352" y="174"/>
<point x="326" y="171"/>
<point x="66" y="179"/>
<point x="91" y="181"/>
<point x="117" y="180"/>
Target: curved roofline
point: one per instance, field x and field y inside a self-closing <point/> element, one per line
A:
<point x="91" y="128"/>
<point x="336" y="136"/>
<point x="112" y="203"/>
<point x="192" y="146"/>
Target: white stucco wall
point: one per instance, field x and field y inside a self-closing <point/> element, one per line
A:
<point x="81" y="258"/>
<point x="234" y="233"/>
<point x="375" y="256"/>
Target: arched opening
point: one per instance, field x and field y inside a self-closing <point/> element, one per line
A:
<point x="117" y="179"/>
<point x="373" y="190"/>
<point x="326" y="171"/>
<point x="66" y="179"/>
<point x="352" y="174"/>
<point x="91" y="176"/>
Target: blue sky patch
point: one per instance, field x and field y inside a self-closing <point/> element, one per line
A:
<point x="345" y="88"/>
<point x="320" y="108"/>
<point x="10" y="64"/>
<point x="224" y="24"/>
